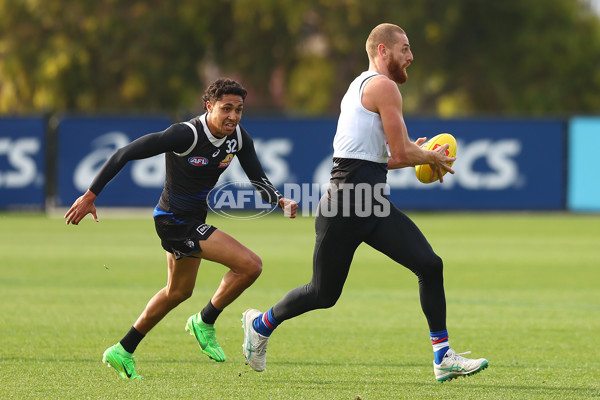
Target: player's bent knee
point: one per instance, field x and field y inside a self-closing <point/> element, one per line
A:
<point x="327" y="300"/>
<point x="178" y="296"/>
<point x="433" y="266"/>
<point x="256" y="269"/>
<point x="437" y="265"/>
<point x="252" y="266"/>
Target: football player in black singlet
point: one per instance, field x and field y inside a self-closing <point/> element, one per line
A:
<point x="197" y="152"/>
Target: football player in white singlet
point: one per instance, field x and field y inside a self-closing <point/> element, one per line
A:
<point x="371" y="138"/>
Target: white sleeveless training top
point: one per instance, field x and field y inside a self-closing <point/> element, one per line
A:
<point x="359" y="132"/>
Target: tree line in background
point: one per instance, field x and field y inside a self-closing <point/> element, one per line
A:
<point x="472" y="57"/>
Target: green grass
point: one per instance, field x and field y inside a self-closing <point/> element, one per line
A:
<point x="523" y="291"/>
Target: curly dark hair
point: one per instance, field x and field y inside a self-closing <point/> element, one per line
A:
<point x="221" y="87"/>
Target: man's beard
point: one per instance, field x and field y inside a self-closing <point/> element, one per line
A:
<point x="397" y="73"/>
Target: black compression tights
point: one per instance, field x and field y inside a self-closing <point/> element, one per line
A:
<point x="337" y="239"/>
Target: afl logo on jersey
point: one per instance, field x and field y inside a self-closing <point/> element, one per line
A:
<point x="198" y="161"/>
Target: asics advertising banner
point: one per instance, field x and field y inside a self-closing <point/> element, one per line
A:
<point x="501" y="164"/>
<point x="85" y="143"/>
<point x="22" y="163"/>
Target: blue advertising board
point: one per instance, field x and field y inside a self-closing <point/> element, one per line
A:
<point x="501" y="164"/>
<point x="22" y="162"/>
<point x="584" y="188"/>
<point x="85" y="143"/>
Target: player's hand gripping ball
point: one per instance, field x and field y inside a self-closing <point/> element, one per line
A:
<point x="423" y="172"/>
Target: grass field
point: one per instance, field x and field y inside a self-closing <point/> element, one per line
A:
<point x="523" y="291"/>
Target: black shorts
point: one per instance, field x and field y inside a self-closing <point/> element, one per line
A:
<point x="181" y="235"/>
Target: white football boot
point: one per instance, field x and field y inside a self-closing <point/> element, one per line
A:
<point x="255" y="344"/>
<point x="453" y="366"/>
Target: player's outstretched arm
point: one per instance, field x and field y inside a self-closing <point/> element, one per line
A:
<point x="83" y="206"/>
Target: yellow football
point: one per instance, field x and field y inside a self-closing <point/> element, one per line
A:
<point x="423" y="172"/>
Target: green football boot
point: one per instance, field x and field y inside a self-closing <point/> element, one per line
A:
<point x="205" y="335"/>
<point x="121" y="360"/>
